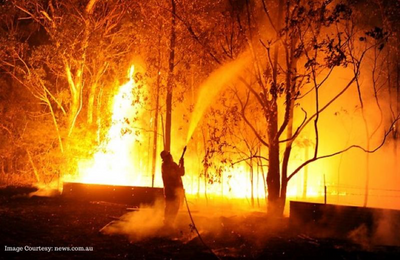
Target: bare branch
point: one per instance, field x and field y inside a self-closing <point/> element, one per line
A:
<point x="90" y="6"/>
<point x="329" y="103"/>
<point x="243" y="114"/>
<point x="6" y="129"/>
<point x="319" y="84"/>
<point x="296" y="133"/>
<point x="391" y="128"/>
<point x="249" y="158"/>
<point x="268" y="16"/>
<point x="256" y="95"/>
<point x="196" y="37"/>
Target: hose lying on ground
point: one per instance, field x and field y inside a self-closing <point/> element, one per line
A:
<point x="195" y="228"/>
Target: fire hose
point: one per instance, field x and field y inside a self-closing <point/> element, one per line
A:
<point x="190" y="214"/>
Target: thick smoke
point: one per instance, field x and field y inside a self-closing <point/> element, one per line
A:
<point x="382" y="231"/>
<point x="387" y="225"/>
<point x="144" y="223"/>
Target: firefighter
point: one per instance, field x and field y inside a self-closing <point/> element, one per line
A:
<point x="173" y="186"/>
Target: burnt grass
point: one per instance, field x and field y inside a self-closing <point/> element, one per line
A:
<point x="60" y="222"/>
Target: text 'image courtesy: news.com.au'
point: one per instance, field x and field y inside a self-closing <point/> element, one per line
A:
<point x="18" y="249"/>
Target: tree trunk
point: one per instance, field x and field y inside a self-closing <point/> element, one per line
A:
<point x="273" y="174"/>
<point x="367" y="173"/>
<point x="290" y="91"/>
<point x="205" y="182"/>
<point x="205" y="165"/>
<point x="305" y="179"/>
<point x="170" y="80"/>
<point x="397" y="123"/>
<point x="263" y="176"/>
<point x="252" y="181"/>
<point x="273" y="181"/>
<point x="98" y="113"/>
<point x="75" y="90"/>
<point x="93" y="89"/>
<point x="90" y="108"/>
<point x="155" y="129"/>
<point x="76" y="83"/>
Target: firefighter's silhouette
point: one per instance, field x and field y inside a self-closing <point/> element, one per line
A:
<point x="173" y="187"/>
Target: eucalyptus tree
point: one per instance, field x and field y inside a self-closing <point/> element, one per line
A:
<point x="295" y="47"/>
<point x="68" y="55"/>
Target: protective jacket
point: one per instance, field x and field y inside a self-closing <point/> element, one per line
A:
<point x="171" y="175"/>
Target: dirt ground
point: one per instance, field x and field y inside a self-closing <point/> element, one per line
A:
<point x="29" y="222"/>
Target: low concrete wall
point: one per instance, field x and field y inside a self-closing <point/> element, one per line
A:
<point x="343" y="221"/>
<point x="130" y="195"/>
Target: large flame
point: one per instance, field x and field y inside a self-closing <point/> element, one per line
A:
<point x="115" y="162"/>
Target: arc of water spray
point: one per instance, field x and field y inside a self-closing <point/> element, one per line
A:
<point x="213" y="86"/>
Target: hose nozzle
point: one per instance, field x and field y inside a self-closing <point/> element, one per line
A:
<point x="183" y="153"/>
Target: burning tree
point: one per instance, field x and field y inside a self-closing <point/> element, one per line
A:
<point x="296" y="48"/>
<point x="315" y="39"/>
<point x="68" y="56"/>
